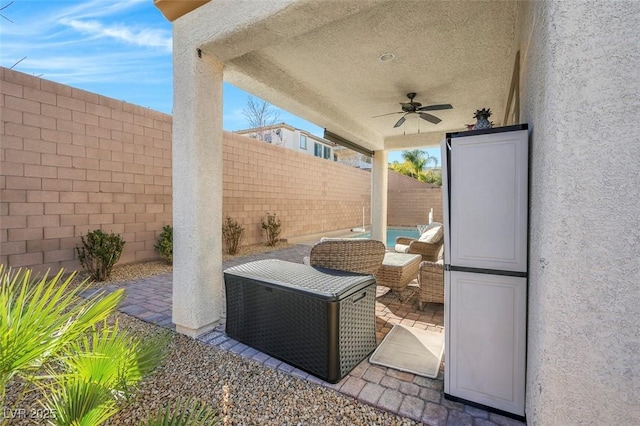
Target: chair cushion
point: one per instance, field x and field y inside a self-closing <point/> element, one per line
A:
<point x="402" y="248"/>
<point x="399" y="260"/>
<point x="433" y="234"/>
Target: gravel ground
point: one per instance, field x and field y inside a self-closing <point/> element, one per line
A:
<point x="243" y="392"/>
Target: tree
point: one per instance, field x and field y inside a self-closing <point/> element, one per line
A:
<point x="416" y="161"/>
<point x="260" y="114"/>
<point x="414" y="164"/>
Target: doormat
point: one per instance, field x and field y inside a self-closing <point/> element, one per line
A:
<point x="412" y="350"/>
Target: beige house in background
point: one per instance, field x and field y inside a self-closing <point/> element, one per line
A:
<point x="567" y="68"/>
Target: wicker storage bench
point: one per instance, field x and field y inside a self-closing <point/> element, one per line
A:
<point x="319" y="320"/>
<point x="398" y="269"/>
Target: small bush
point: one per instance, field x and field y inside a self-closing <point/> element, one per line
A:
<point x="164" y="245"/>
<point x="99" y="252"/>
<point x="232" y="233"/>
<point x="272" y="228"/>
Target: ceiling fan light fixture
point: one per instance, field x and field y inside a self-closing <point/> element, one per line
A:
<point x="386" y="57"/>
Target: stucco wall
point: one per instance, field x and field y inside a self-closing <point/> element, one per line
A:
<point x="581" y="96"/>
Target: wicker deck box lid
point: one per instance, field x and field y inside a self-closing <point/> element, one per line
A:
<point x="326" y="284"/>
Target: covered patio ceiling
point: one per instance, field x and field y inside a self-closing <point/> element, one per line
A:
<point x="320" y="60"/>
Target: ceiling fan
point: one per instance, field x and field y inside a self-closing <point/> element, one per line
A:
<point x="412" y="107"/>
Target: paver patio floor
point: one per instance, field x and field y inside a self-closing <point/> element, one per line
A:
<point x="418" y="398"/>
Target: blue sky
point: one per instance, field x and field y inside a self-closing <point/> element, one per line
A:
<point x="116" y="48"/>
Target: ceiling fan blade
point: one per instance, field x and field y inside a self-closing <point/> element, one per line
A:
<point x="430" y="118"/>
<point x="435" y="107"/>
<point x="390" y="113"/>
<point x="399" y="123"/>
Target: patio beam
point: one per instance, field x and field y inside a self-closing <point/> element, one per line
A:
<point x="197" y="186"/>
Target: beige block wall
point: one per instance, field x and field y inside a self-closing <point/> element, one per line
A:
<point x="410" y="207"/>
<point x="73" y="161"/>
<point x="308" y="194"/>
<point x="409" y="201"/>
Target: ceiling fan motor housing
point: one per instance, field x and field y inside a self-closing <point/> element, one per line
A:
<point x="410" y="106"/>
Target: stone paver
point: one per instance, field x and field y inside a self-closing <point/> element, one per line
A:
<point x="390" y="400"/>
<point x="406" y="394"/>
<point x="390" y="382"/>
<point x="503" y="421"/>
<point x="430" y="395"/>
<point x="409" y="389"/>
<point x="458" y="418"/>
<point x="371" y="393"/>
<point x="285" y="367"/>
<point x="374" y="374"/>
<point x="296" y="372"/>
<point x="434" y="415"/>
<point x="411" y="407"/>
<point x="353" y="386"/>
<point x="272" y="362"/>
<point x="476" y="412"/>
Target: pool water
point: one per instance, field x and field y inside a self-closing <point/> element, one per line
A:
<point x="392" y="234"/>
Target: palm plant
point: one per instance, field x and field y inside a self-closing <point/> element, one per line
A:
<point x="404" y="168"/>
<point x="102" y="367"/>
<point x="414" y="166"/>
<point x="417" y="161"/>
<point x="38" y="318"/>
<point x="88" y="365"/>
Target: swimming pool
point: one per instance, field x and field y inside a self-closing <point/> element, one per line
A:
<point x="392" y="234"/>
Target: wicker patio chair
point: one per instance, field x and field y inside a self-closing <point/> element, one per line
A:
<point x="431" y="280"/>
<point x="348" y="254"/>
<point x="427" y="245"/>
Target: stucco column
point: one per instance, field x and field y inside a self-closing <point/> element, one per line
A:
<point x="197" y="188"/>
<point x="379" y="184"/>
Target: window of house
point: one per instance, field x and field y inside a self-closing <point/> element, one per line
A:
<point x="327" y="152"/>
<point x="267" y="137"/>
<point x="317" y="150"/>
<point x="303" y="142"/>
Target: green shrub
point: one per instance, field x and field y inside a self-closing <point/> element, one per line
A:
<point x="271" y="228"/>
<point x="164" y="245"/>
<point x="99" y="252"/>
<point x="232" y="233"/>
<point x="431" y="176"/>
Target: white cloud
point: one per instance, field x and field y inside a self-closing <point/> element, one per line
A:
<point x="145" y="37"/>
<point x="96" y="9"/>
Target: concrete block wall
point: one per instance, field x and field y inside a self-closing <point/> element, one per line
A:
<point x="308" y="194"/>
<point x="73" y="161"/>
<point x="410" y="207"/>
